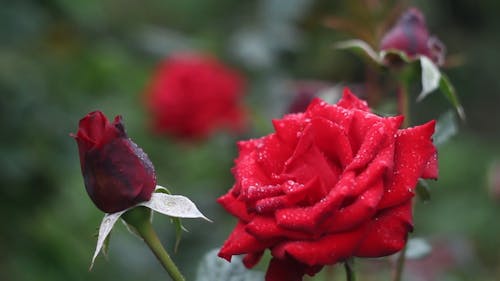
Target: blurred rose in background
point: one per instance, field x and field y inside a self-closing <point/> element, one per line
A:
<point x="192" y="95"/>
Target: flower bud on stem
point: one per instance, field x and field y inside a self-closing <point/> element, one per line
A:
<point x="139" y="219"/>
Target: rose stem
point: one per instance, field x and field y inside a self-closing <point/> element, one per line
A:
<point x="139" y="218"/>
<point x="349" y="270"/>
<point x="404" y="77"/>
<point x="400" y="263"/>
<point x="403" y="104"/>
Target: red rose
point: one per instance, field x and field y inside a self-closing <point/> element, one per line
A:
<point x="116" y="172"/>
<point x="331" y="183"/>
<point x="411" y="36"/>
<point x="191" y="95"/>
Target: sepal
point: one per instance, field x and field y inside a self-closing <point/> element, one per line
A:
<point x="175" y="206"/>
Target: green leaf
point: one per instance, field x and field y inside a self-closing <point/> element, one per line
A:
<point x="446" y="128"/>
<point x="359" y="46"/>
<point x="431" y="77"/>
<point x="213" y="268"/>
<point x="417" y="248"/>
<point x="423" y="190"/>
<point x="449" y="92"/>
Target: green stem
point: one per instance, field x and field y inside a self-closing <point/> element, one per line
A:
<point x="400" y="264"/>
<point x="404" y="103"/>
<point x="404" y="78"/>
<point x="139" y="219"/>
<point x="349" y="270"/>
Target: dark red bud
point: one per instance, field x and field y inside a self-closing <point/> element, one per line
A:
<point x="116" y="172"/>
<point x="411" y="36"/>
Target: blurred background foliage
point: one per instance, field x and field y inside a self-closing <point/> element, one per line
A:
<point x="60" y="59"/>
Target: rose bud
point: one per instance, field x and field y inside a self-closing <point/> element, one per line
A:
<point x="331" y="183"/>
<point x="411" y="36"/>
<point x="116" y="172"/>
<point x="191" y="95"/>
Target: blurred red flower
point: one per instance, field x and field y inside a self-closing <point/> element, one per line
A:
<point x="191" y="95"/>
<point x="411" y="36"/>
<point x="116" y="172"/>
<point x="331" y="183"/>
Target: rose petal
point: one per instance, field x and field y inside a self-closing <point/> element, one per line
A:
<point x="250" y="260"/>
<point x="266" y="228"/>
<point x="284" y="269"/>
<point x="370" y="146"/>
<point x="269" y="205"/>
<point x="235" y="207"/>
<point x="271" y="154"/>
<point x="378" y="169"/>
<point x="294" y="193"/>
<point x="240" y="242"/>
<point x="413" y="150"/>
<point x="246" y="147"/>
<point x="431" y="169"/>
<point x="287" y="128"/>
<point x="332" y="140"/>
<point x="257" y="192"/>
<point x="118" y="175"/>
<point x="96" y="127"/>
<point x="284" y="195"/>
<point x="248" y="173"/>
<point x="360" y="125"/>
<point x="350" y="101"/>
<point x="379" y="143"/>
<point x="387" y="232"/>
<point x="361" y="210"/>
<point x="308" y="218"/>
<point x="338" y="115"/>
<point x="327" y="250"/>
<point x="308" y="193"/>
<point x="308" y="160"/>
<point x="246" y="166"/>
